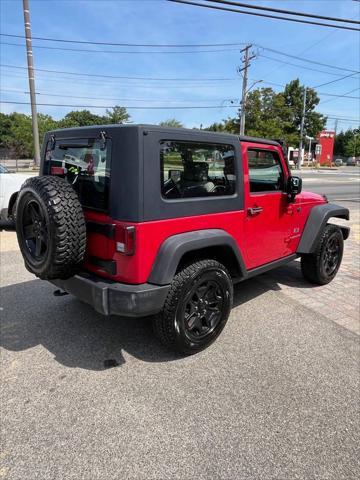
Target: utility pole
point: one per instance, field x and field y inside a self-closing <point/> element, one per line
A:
<point x="301" y="156"/>
<point x="336" y="125"/>
<point x="31" y="74"/>
<point x="246" y="62"/>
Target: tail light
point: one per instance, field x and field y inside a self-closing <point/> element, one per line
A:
<point x="57" y="171"/>
<point x="125" y="239"/>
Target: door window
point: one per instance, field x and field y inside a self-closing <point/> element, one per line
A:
<point x="265" y="171"/>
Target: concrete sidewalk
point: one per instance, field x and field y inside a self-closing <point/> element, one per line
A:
<point x="340" y="300"/>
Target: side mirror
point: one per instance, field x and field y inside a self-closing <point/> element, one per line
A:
<point x="294" y="186"/>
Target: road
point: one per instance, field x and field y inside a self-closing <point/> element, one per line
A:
<point x="339" y="185"/>
<point x="276" y="397"/>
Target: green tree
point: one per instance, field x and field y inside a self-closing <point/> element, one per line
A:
<point x="18" y="138"/>
<point x="117" y="114"/>
<point x="5" y="124"/>
<point x="294" y="97"/>
<point x="347" y="143"/>
<point x="81" y="118"/>
<point x="216" y="127"/>
<point x="277" y="115"/>
<point x="352" y="146"/>
<point x="16" y="132"/>
<point x="171" y="122"/>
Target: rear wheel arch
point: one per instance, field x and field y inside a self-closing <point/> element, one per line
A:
<point x="183" y="249"/>
<point x="12" y="204"/>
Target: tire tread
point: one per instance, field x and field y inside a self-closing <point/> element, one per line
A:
<point x="67" y="225"/>
<point x="310" y="264"/>
<point x="163" y="324"/>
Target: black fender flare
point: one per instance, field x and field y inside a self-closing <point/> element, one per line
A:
<point x="12" y="203"/>
<point x="316" y="223"/>
<point x="174" y="247"/>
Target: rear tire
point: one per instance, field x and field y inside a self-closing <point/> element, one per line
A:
<point x="196" y="309"/>
<point x="322" y="266"/>
<point x="50" y="227"/>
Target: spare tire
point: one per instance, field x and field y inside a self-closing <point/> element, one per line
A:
<point x="50" y="227"/>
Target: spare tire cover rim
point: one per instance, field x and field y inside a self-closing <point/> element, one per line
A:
<point x="35" y="229"/>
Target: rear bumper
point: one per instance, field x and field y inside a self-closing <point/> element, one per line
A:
<point x="112" y="298"/>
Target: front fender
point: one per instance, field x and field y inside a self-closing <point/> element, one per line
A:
<point x="174" y="247"/>
<point x="316" y="223"/>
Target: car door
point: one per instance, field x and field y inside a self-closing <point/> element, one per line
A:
<point x="268" y="212"/>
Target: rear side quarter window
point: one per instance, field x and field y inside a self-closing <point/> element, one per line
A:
<point x="190" y="170"/>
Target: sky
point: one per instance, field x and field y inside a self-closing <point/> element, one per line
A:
<point x="194" y="76"/>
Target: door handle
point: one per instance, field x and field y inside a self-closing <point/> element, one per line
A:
<point x="254" y="210"/>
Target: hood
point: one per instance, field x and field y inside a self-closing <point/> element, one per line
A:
<point x="310" y="197"/>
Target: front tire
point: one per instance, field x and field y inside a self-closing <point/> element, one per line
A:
<point x="196" y="309"/>
<point x="322" y="266"/>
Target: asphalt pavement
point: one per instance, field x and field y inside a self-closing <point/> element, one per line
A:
<point x="341" y="185"/>
<point x="96" y="398"/>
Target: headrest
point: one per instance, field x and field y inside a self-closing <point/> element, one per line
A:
<point x="196" y="172"/>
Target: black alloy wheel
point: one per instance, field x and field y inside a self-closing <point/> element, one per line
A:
<point x="197" y="307"/>
<point x="322" y="266"/>
<point x="203" y="306"/>
<point x="34" y="230"/>
<point x="331" y="254"/>
<point x="50" y="227"/>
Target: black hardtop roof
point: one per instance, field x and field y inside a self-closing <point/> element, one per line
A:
<point x="158" y="128"/>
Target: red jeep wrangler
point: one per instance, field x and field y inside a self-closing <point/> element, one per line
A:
<point x="141" y="220"/>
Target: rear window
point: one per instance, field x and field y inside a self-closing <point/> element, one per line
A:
<point x="85" y="163"/>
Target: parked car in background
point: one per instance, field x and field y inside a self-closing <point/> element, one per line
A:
<point x="338" y="162"/>
<point x="352" y="162"/>
<point x="10" y="184"/>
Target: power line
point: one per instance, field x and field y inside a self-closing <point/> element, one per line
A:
<point x="239" y="44"/>
<point x="117" y="83"/>
<point x="47" y="94"/>
<point x="342" y="96"/>
<point x="351" y="120"/>
<point x="146" y="100"/>
<point x="115" y="44"/>
<point x="147" y="107"/>
<point x="307" y="60"/>
<point x="299" y="66"/>
<point x="333" y="81"/>
<point x="285" y="62"/>
<point x="276" y="17"/>
<point x="126" y="52"/>
<point x="319" y="93"/>
<point x="125" y="77"/>
<point x="287" y="12"/>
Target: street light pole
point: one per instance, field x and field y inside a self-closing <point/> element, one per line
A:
<point x="310" y="140"/>
<point x="301" y="156"/>
<point x="30" y="62"/>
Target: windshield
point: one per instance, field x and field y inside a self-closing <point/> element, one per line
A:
<point x="85" y="163"/>
<point x="3" y="169"/>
